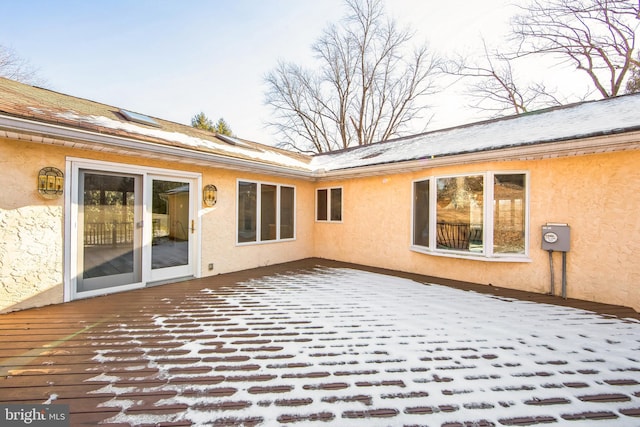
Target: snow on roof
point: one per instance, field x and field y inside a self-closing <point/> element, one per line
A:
<point x="187" y="140"/>
<point x="47" y="106"/>
<point x="592" y="118"/>
<point x="581" y="120"/>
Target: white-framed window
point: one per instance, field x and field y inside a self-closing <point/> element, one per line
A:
<point x="481" y="215"/>
<point x="329" y="204"/>
<point x="265" y="212"/>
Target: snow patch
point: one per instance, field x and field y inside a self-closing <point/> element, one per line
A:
<point x="401" y="344"/>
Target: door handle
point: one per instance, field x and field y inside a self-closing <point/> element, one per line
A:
<point x="193" y="226"/>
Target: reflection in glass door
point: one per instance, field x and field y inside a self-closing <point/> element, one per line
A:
<point x="109" y="230"/>
<point x="172" y="228"/>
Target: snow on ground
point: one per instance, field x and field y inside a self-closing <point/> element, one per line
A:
<point x="352" y="348"/>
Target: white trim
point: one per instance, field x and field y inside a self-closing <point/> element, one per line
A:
<point x="149" y="275"/>
<point x="45" y="133"/>
<point x="278" y="186"/>
<point x="329" y="220"/>
<point x="470" y="256"/>
<point x="127" y="168"/>
<point x="578" y="146"/>
<point x="107" y="291"/>
<point x="68" y="224"/>
<point x="73" y="167"/>
<point x="488" y="221"/>
<point x="487" y="253"/>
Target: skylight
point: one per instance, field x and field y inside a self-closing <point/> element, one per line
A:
<point x="138" y="118"/>
<point x="234" y="141"/>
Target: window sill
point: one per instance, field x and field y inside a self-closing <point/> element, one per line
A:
<point x="472" y="256"/>
<point x="265" y="242"/>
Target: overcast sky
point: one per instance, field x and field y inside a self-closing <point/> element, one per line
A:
<point x="174" y="58"/>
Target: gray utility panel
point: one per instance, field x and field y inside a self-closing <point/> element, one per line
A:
<point x="555" y="237"/>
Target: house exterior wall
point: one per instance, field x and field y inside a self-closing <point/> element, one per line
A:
<point x="32" y="228"/>
<point x="595" y="194"/>
<point x="219" y="225"/>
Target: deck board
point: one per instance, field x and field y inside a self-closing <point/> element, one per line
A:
<point x="168" y="347"/>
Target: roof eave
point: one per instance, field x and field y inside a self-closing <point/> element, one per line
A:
<point x="535" y="151"/>
<point x="47" y="133"/>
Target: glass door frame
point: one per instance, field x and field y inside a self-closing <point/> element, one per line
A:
<point x="159" y="275"/>
<point x="98" y="283"/>
<point x="146" y="174"/>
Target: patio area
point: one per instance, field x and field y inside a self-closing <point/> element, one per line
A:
<point x="317" y="342"/>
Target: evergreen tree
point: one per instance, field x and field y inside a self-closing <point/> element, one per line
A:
<point x="201" y="121"/>
<point x="222" y="127"/>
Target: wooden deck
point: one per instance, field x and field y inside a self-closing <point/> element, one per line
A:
<point x="148" y="355"/>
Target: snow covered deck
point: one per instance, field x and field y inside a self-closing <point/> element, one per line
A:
<point x="317" y="343"/>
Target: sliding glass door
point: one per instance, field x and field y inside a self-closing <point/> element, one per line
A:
<point x="109" y="230"/>
<point x="130" y="227"/>
<point x="173" y="226"/>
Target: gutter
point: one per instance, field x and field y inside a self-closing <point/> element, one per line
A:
<point x="66" y="134"/>
<point x="540" y="150"/>
<point x="534" y="151"/>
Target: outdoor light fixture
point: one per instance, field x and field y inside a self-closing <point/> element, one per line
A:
<point x="50" y="182"/>
<point x="209" y="195"/>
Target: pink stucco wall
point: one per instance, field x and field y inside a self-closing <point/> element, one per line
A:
<point x="596" y="195"/>
<point x="32" y="233"/>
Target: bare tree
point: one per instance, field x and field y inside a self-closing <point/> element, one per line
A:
<point x="13" y="67"/>
<point x="494" y="85"/>
<point x="597" y="37"/>
<point x="367" y="87"/>
<point x="633" y="83"/>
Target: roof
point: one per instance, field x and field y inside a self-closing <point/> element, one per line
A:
<point x="576" y="121"/>
<point x="50" y="107"/>
<point x="540" y="134"/>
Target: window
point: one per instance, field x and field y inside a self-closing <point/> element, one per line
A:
<point x="266" y="212"/>
<point x="459" y="208"/>
<point x="247" y="212"/>
<point x="287" y="212"/>
<point x="421" y="213"/>
<point x="329" y="204"/>
<point x="322" y="205"/>
<point x="465" y="215"/>
<point x="509" y="213"/>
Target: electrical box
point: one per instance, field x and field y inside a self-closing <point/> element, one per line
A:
<point x="555" y="237"/>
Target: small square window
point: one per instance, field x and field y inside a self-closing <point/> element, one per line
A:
<point x="329" y="204"/>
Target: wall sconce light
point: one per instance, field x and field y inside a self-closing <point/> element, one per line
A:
<point x="209" y="195"/>
<point x="50" y="182"/>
